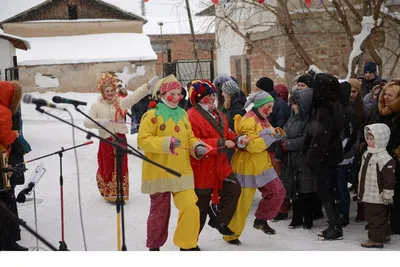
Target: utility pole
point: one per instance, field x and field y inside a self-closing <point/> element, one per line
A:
<point x="193" y="37"/>
<point x="142" y="7"/>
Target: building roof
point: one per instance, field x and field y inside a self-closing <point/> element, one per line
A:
<point x="106" y="47"/>
<point x="16" y="41"/>
<point x="44" y="2"/>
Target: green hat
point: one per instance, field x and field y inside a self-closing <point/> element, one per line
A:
<point x="262" y="98"/>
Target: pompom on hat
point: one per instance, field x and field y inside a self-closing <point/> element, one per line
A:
<point x="106" y="80"/>
<point x="167" y="84"/>
<point x="199" y="89"/>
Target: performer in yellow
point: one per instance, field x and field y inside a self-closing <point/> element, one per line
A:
<point x="253" y="168"/>
<point x="166" y="137"/>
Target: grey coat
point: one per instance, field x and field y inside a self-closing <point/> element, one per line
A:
<point x="295" y="175"/>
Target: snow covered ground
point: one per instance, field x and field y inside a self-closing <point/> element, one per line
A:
<point x="48" y="135"/>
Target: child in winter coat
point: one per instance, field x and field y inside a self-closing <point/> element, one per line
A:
<point x="253" y="168"/>
<point x="166" y="137"/>
<point x="376" y="184"/>
<point x="213" y="175"/>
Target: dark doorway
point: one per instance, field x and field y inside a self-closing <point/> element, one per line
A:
<point x="72" y="12"/>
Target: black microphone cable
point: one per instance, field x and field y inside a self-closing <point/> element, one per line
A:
<point x="78" y="182"/>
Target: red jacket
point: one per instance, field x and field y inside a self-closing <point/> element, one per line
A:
<point x="212" y="168"/>
<point x="7" y="92"/>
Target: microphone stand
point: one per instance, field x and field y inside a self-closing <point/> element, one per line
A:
<point x="63" y="245"/>
<point x="120" y="151"/>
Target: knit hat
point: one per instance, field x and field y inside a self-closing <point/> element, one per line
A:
<point x="370" y="67"/>
<point x="167" y="84"/>
<point x="282" y="91"/>
<point x="220" y="80"/>
<point x="265" y="84"/>
<point x="261" y="98"/>
<point x="306" y="79"/>
<point x="355" y="84"/>
<point x="199" y="89"/>
<point x="230" y="87"/>
<point x="106" y="80"/>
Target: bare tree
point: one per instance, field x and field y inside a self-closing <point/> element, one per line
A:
<point x="349" y="14"/>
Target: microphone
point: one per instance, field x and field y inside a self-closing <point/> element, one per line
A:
<point x="39" y="102"/>
<point x="58" y="99"/>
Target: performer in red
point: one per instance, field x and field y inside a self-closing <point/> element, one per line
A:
<point x="109" y="111"/>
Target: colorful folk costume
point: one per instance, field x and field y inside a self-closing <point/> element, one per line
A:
<point x="166" y="137"/>
<point x="213" y="175"/>
<point x="109" y="111"/>
<point x="253" y="168"/>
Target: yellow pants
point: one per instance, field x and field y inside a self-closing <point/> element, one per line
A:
<point x="238" y="221"/>
<point x="187" y="229"/>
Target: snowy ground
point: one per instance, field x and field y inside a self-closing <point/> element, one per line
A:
<point x="99" y="218"/>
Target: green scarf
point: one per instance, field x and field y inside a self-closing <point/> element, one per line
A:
<point x="166" y="112"/>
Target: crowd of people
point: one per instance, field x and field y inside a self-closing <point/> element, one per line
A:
<point x="300" y="148"/>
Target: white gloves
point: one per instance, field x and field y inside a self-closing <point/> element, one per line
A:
<point x="152" y="83"/>
<point x="387" y="196"/>
<point x="200" y="150"/>
<point x="239" y="142"/>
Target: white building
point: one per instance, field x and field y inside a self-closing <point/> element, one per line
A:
<point x="8" y="45"/>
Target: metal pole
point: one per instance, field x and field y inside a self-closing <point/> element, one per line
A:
<point x="162" y="47"/>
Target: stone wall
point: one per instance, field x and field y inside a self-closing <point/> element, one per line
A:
<point x="83" y="77"/>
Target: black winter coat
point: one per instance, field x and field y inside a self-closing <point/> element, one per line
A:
<point x="323" y="144"/>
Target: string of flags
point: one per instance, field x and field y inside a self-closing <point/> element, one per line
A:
<point x="216" y="2"/>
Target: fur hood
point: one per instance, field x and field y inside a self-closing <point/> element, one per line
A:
<point x="10" y="95"/>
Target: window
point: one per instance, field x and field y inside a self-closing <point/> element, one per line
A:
<point x="72" y="12"/>
<point x="204" y="45"/>
<point x="158" y="47"/>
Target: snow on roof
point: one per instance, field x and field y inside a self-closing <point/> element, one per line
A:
<point x="16" y="41"/>
<point x="179" y="25"/>
<point x="107" y="47"/>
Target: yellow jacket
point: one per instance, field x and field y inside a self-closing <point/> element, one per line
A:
<point x="252" y="165"/>
<point x="154" y="139"/>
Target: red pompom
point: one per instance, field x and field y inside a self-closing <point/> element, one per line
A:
<point x="152" y="104"/>
<point x="215" y="2"/>
<point x="308" y="2"/>
<point x="261" y="1"/>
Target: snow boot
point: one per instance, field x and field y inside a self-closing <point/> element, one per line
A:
<point x="191" y="249"/>
<point x="154" y="249"/>
<point x="371" y="244"/>
<point x="333" y="232"/>
<point x="263" y="226"/>
<point x="234" y="242"/>
<point x="222" y="228"/>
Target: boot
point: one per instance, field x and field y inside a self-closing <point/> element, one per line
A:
<point x="263" y="226"/>
<point x="360" y="212"/>
<point x="190" y="249"/>
<point x="14" y="246"/>
<point x="234" y="242"/>
<point x="297" y="219"/>
<point x="222" y="228"/>
<point x="333" y="233"/>
<point x="371" y="244"/>
<point x="154" y="249"/>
